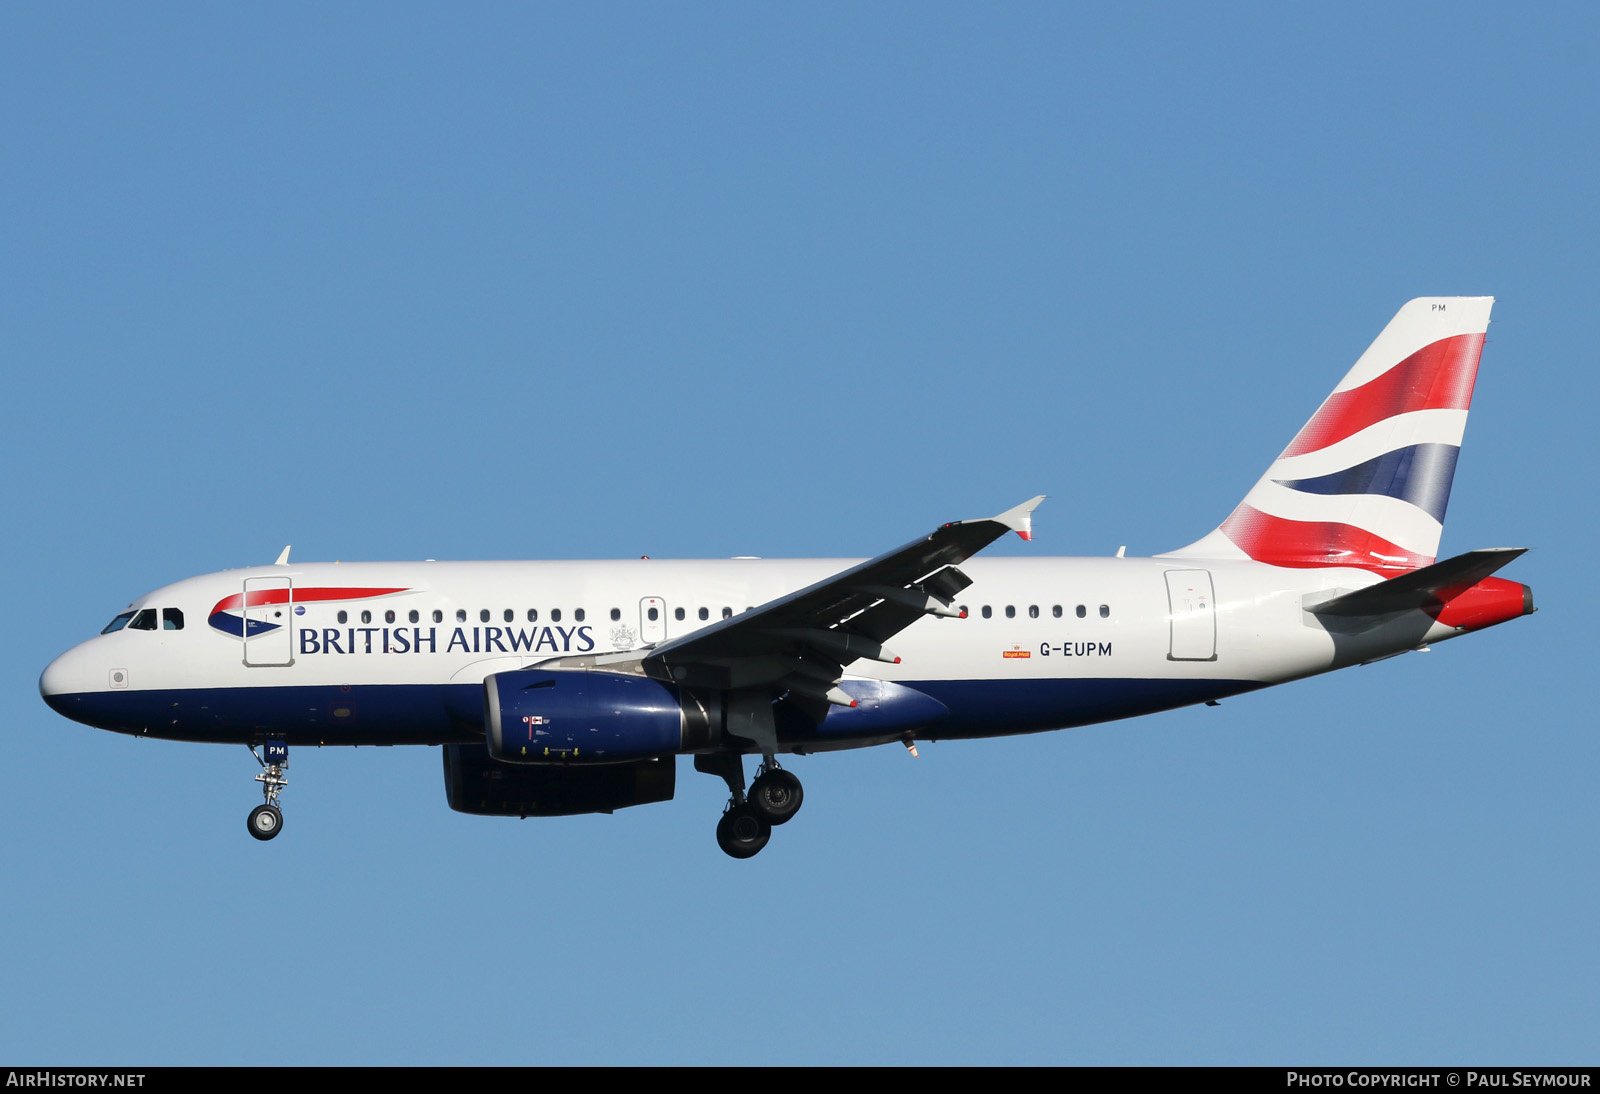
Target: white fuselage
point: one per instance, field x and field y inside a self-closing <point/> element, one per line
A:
<point x="396" y="652"/>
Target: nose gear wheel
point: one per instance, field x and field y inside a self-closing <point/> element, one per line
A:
<point x="266" y="820"/>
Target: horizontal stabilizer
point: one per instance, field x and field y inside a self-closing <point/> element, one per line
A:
<point x="1435" y="584"/>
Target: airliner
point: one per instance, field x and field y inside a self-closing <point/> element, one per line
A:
<point x="558" y="688"/>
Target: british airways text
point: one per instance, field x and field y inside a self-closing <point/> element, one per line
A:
<point x="462" y="640"/>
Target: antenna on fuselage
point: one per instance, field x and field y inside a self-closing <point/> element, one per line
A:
<point x="283" y="559"/>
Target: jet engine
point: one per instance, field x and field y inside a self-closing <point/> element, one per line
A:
<point x="574" y="716"/>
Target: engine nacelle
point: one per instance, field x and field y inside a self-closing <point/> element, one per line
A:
<point x="576" y="716"/>
<point x="475" y="783"/>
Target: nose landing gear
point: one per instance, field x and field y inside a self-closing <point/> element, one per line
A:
<point x="266" y="820"/>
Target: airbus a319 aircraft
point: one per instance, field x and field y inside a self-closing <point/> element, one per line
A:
<point x="559" y="688"/>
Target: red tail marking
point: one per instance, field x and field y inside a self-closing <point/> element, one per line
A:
<point x="1437" y="377"/>
<point x="1304" y="543"/>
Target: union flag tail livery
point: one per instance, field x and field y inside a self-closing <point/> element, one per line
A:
<point x="557" y="688"/>
<point x="1366" y="481"/>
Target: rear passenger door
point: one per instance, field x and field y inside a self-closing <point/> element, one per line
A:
<point x="1193" y="616"/>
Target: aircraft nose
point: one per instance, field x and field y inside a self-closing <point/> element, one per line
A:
<point x="67" y="675"/>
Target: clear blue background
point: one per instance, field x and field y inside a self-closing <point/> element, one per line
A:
<point x="697" y="280"/>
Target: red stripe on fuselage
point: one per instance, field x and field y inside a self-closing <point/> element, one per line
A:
<point x="1306" y="543"/>
<point x="1438" y="376"/>
<point x="301" y="596"/>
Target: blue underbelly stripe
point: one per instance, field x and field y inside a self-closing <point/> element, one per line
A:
<point x="442" y="713"/>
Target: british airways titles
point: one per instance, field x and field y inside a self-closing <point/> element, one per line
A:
<point x="579" y="639"/>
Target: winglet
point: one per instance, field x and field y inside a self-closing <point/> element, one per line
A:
<point x="1020" y="519"/>
<point x="283" y="559"/>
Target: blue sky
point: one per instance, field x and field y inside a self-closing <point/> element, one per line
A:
<point x="697" y="280"/>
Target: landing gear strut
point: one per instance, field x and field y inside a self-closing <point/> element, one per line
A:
<point x="746" y="823"/>
<point x="266" y="820"/>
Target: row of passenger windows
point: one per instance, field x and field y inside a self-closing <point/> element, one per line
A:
<point x="653" y="614"/>
<point x="1082" y="611"/>
<point x="510" y="616"/>
<point x="171" y="619"/>
<point x="147" y="619"/>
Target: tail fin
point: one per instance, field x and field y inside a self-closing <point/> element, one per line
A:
<point x="1365" y="482"/>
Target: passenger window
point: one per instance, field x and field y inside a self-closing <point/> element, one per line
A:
<point x="705" y="613"/>
<point x="144" y="621"/>
<point x="118" y="623"/>
<point x="1105" y="611"/>
<point x="461" y="615"/>
<point x="366" y="617"/>
<point x="655" y="614"/>
<point x="727" y="613"/>
<point x="533" y="615"/>
<point x="1082" y="611"/>
<point x="577" y="614"/>
<point x="1011" y="611"/>
<point x="987" y="611"/>
<point x="438" y="616"/>
<point x="483" y="615"/>
<point x="509" y="615"/>
<point x="343" y="616"/>
<point x="414" y="617"/>
<point x="171" y="619"/>
<point x="616" y="614"/>
<point x="1056" y="611"/>
<point x="388" y="616"/>
<point x="962" y="608"/>
<point x="1033" y="611"/>
<point x="677" y="613"/>
<point x="555" y="615"/>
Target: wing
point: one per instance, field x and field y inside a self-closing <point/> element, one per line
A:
<point x="799" y="644"/>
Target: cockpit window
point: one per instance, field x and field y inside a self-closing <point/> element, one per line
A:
<point x="144" y="621"/>
<point x="171" y="619"/>
<point x="118" y="623"/>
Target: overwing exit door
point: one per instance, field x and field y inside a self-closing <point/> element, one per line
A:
<point x="652" y="621"/>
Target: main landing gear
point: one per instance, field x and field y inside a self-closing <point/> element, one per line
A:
<point x="266" y="820"/>
<point x="747" y="822"/>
